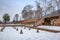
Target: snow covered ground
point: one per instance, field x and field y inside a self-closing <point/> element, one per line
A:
<point x="10" y="33"/>
<point x="50" y="27"/>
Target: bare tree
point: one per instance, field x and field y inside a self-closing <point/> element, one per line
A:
<point x="27" y="12"/>
<point x="50" y="8"/>
<point x="38" y="13"/>
<point x="16" y="17"/>
<point x="58" y="5"/>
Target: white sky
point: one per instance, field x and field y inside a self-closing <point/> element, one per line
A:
<point x="13" y="7"/>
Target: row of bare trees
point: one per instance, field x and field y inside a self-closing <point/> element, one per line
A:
<point x="42" y="8"/>
<point x="46" y="8"/>
<point x="29" y="13"/>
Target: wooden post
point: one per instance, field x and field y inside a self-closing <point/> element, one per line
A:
<point x="29" y="28"/>
<point x="2" y="29"/>
<point x="21" y="32"/>
<point x="17" y="29"/>
<point x="37" y="31"/>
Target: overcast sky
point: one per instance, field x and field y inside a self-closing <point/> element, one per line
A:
<point x="13" y="7"/>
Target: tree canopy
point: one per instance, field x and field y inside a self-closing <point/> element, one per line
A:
<point x="6" y="17"/>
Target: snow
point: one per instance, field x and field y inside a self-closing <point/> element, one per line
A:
<point x="50" y="27"/>
<point x="10" y="33"/>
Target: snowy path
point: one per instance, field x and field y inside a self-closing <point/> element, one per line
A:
<point x="50" y="27"/>
<point x="11" y="34"/>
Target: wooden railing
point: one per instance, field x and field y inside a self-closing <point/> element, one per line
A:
<point x="29" y="26"/>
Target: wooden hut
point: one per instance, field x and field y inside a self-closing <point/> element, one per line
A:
<point x="50" y="18"/>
